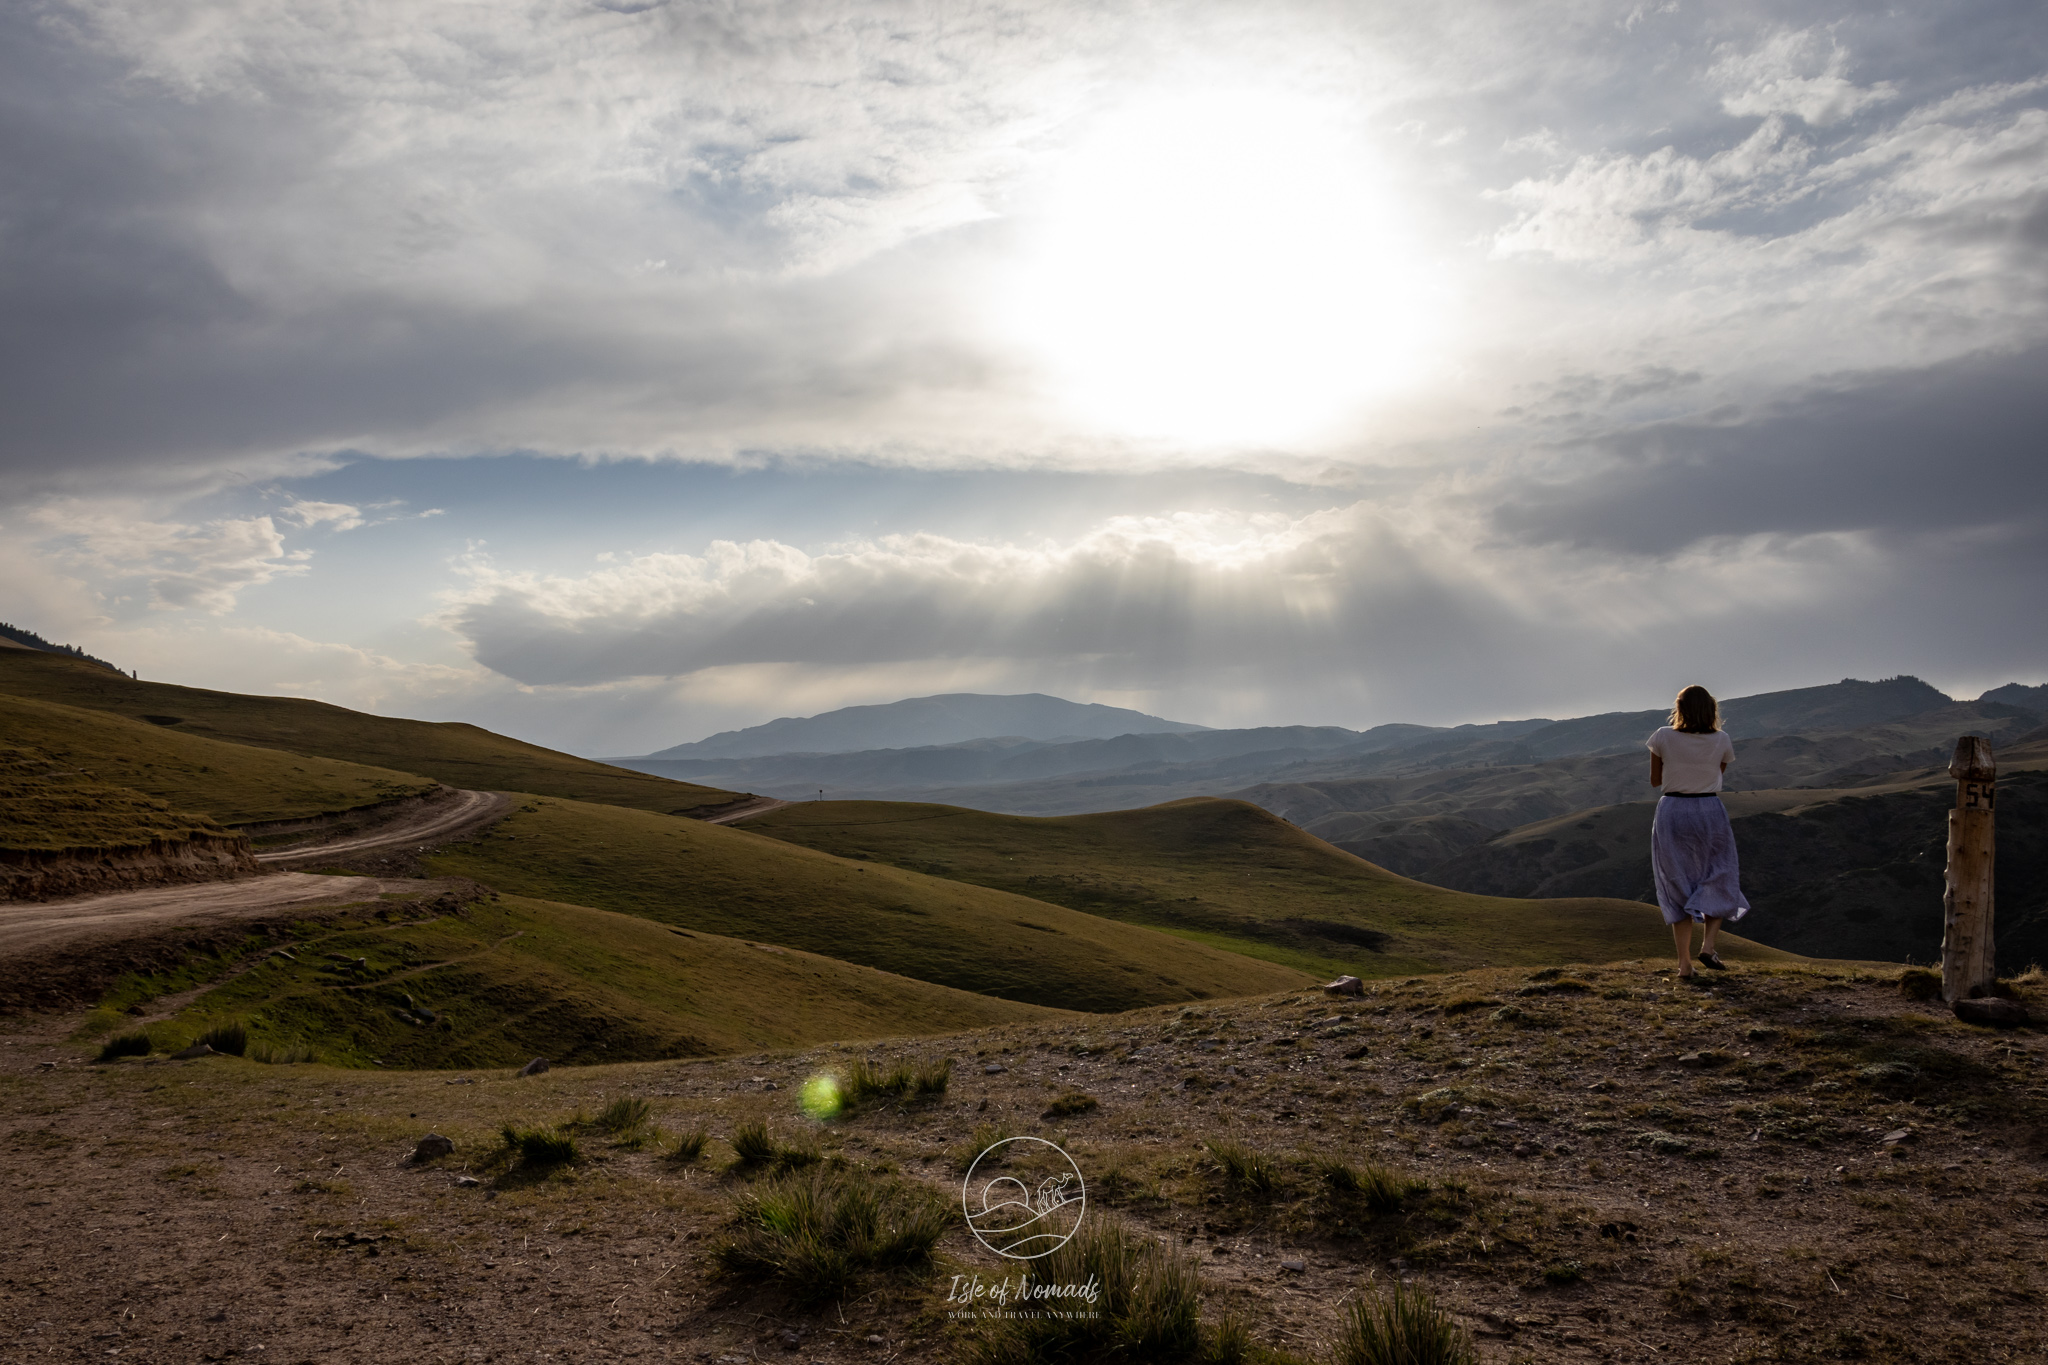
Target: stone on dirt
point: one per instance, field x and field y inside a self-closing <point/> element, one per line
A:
<point x="431" y="1146"/>
<point x="1991" y="1010"/>
<point x="534" y="1067"/>
<point x="1344" y="985"/>
<point x="196" y="1050"/>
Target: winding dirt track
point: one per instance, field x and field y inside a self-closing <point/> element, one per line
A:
<point x="428" y="825"/>
<point x="33" y="927"/>
<point x="732" y="815"/>
<point x="28" y="928"/>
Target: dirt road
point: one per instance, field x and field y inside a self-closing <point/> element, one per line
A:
<point x="31" y="928"/>
<point x="430" y="823"/>
<point x="760" y="805"/>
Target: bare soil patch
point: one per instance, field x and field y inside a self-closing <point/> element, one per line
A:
<point x="1794" y="1164"/>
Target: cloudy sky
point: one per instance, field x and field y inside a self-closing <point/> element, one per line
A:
<point x="613" y="373"/>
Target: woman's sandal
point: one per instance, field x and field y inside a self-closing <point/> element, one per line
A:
<point x="1714" y="961"/>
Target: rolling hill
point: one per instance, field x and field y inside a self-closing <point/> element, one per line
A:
<point x="456" y="754"/>
<point x="509" y="979"/>
<point x="235" y="784"/>
<point x="1230" y="874"/>
<point x="736" y="882"/>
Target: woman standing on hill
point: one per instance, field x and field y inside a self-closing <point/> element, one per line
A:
<point x="1692" y="846"/>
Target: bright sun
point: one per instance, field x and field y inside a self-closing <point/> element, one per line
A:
<point x="1219" y="268"/>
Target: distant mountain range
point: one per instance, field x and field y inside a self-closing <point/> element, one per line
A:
<point x="953" y="718"/>
<point x="1024" y="760"/>
<point x="1838" y="794"/>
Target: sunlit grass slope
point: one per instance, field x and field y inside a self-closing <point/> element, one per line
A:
<point x="512" y="979"/>
<point x="51" y="814"/>
<point x="234" y="783"/>
<point x="1235" y="876"/>
<point x="732" y="881"/>
<point x="459" y="755"/>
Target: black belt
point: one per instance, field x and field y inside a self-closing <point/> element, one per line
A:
<point x="1692" y="796"/>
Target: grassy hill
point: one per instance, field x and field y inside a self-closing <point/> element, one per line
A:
<point x="1233" y="875"/>
<point x="459" y="755"/>
<point x="510" y="979"/>
<point x="42" y="812"/>
<point x="733" y="881"/>
<point x="233" y="783"/>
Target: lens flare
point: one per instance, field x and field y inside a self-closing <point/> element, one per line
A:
<point x="821" y="1097"/>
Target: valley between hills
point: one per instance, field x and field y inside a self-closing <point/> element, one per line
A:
<point x="253" y="950"/>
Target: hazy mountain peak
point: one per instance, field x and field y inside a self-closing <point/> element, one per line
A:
<point x="916" y="722"/>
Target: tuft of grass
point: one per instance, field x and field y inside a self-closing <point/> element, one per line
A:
<point x="1246" y="1169"/>
<point x="866" y="1082"/>
<point x="1918" y="983"/>
<point x="126" y="1045"/>
<point x="540" y="1148"/>
<point x="755" y="1148"/>
<point x="231" y="1037"/>
<point x="1148" y="1308"/>
<point x="821" y="1232"/>
<point x="1403" y="1327"/>
<point x="688" y="1147"/>
<point x="1465" y="1004"/>
<point x="1070" y="1103"/>
<point x="1378" y="1187"/>
<point x="1563" y="1273"/>
<point x="623" y="1115"/>
<point x="289" y="1054"/>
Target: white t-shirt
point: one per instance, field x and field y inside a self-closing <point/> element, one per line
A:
<point x="1692" y="763"/>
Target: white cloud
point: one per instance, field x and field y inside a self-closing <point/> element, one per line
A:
<point x="202" y="567"/>
<point x="340" y="515"/>
<point x="1795" y="72"/>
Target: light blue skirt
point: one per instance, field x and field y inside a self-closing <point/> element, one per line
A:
<point x="1692" y="854"/>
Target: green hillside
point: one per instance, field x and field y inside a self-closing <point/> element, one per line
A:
<point x="459" y="755"/>
<point x="234" y="783"/>
<point x="732" y="881"/>
<point x="1235" y="876"/>
<point x="44" y="810"/>
<point x="512" y="979"/>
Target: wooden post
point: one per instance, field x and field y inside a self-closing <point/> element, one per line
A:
<point x="1968" y="966"/>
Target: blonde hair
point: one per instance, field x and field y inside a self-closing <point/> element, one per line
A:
<point x="1696" y="712"/>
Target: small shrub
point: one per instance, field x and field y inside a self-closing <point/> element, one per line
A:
<point x="1403" y="1327"/>
<point x="821" y="1232"/>
<point x="623" y="1115"/>
<point x="1068" y="1104"/>
<point x="127" y="1045"/>
<point x="1245" y="1169"/>
<point x="1563" y="1273"/>
<point x="689" y="1147"/>
<point x="230" y="1037"/>
<point x="540" y="1147"/>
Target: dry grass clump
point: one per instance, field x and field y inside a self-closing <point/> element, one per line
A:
<point x="231" y="1037"/>
<point x="1403" y="1327"/>
<point x="867" y="1083"/>
<point x="1148" y="1307"/>
<point x="126" y="1045"/>
<point x="821" y="1232"/>
<point x="688" y="1147"/>
<point x="1246" y="1170"/>
<point x="538" y="1149"/>
<point x="755" y="1149"/>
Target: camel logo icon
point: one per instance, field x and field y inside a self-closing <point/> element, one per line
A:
<point x="1024" y="1197"/>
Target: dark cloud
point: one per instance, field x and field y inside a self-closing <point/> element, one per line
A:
<point x="1950" y="448"/>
